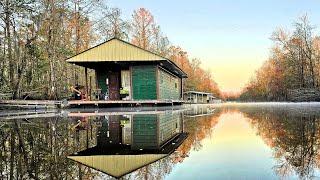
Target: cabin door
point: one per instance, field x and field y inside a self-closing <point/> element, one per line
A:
<point x="114" y="90"/>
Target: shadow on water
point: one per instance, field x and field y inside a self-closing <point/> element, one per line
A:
<point x="93" y="143"/>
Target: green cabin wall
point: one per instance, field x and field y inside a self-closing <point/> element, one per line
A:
<point x="169" y="85"/>
<point x="144" y="82"/>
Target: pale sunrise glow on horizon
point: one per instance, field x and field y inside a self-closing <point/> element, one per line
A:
<point x="231" y="38"/>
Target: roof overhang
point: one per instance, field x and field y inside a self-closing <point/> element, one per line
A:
<point x="173" y="68"/>
<point x="167" y="64"/>
<point x="197" y="92"/>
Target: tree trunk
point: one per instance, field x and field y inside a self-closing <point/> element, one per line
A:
<point x="9" y="43"/>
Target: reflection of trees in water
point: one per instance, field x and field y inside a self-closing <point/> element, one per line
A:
<point x="293" y="134"/>
<point x="157" y="170"/>
<point x="198" y="128"/>
<point x="37" y="149"/>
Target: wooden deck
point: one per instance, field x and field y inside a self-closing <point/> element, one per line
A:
<point x="29" y="104"/>
<point x="133" y="103"/>
<point x="75" y="113"/>
<point x="46" y="104"/>
<point x="27" y="114"/>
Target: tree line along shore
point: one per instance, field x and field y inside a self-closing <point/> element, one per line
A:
<point x="36" y="37"/>
<point x="292" y="71"/>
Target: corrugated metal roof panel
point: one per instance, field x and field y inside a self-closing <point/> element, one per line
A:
<point x="115" y="50"/>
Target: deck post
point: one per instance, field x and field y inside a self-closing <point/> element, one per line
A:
<point x="90" y="86"/>
<point x="181" y="89"/>
<point x="86" y="77"/>
<point x="202" y="98"/>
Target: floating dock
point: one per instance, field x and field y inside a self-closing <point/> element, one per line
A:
<point x="131" y="103"/>
<point x="29" y="104"/>
<point x="46" y="104"/>
<point x="9" y="115"/>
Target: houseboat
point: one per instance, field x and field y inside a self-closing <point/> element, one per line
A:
<point x="125" y="73"/>
<point x="197" y="97"/>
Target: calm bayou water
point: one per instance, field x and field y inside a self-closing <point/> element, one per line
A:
<point x="229" y="141"/>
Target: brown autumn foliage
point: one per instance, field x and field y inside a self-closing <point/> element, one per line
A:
<point x="293" y="65"/>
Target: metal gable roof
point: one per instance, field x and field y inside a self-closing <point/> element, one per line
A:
<point x="115" y="50"/>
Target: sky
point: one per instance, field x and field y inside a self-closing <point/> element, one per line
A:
<point x="231" y="38"/>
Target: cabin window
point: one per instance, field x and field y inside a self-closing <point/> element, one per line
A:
<point x="176" y="85"/>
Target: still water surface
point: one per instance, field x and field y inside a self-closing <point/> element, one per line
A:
<point x="229" y="141"/>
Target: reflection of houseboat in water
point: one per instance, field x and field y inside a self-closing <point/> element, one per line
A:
<point x="126" y="143"/>
<point x="199" y="110"/>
